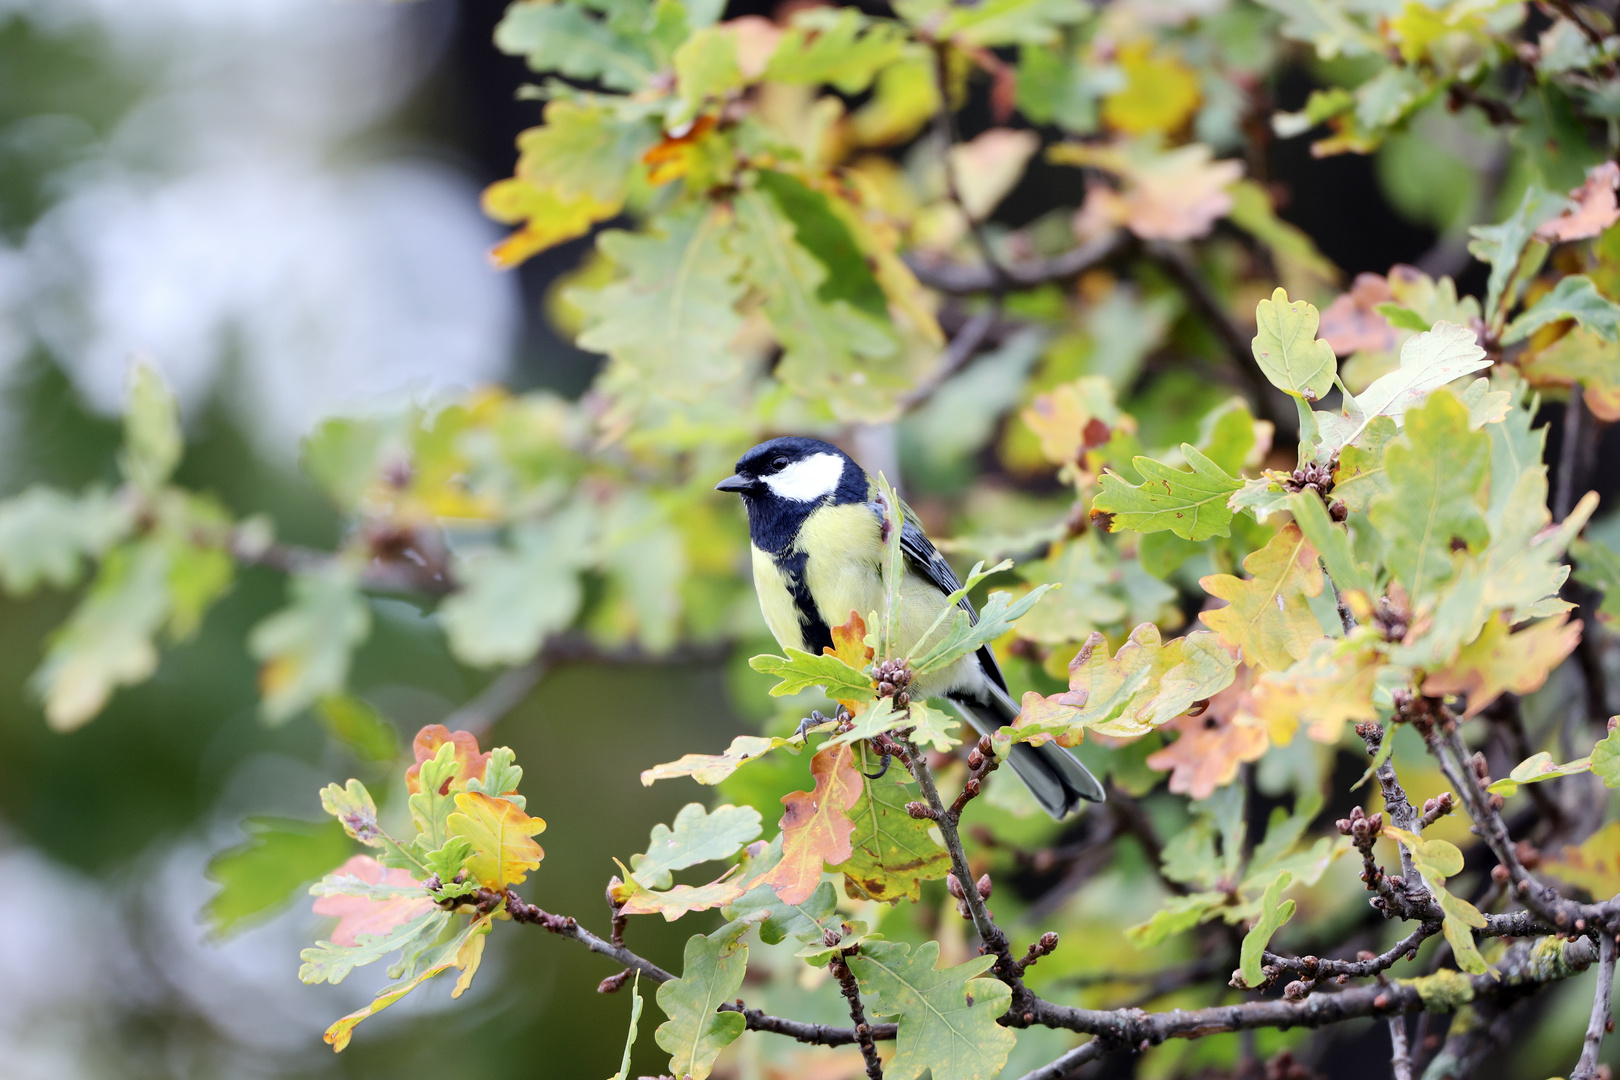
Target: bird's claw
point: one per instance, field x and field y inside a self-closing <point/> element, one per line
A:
<point x="811" y="722"/>
<point x="883" y="767"/>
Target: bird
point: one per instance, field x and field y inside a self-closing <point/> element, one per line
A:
<point x="816" y="526"/>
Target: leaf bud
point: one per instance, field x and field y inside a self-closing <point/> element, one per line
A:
<point x="920" y="811"/>
<point x="1497" y="802"/>
<point x="1364" y="955"/>
<point x="972" y="787"/>
<point x="831" y="937"/>
<point x="1049" y="941"/>
<point x="953" y="886"/>
<point x="1297" y="990"/>
<point x="984" y="886"/>
<point x="975" y="759"/>
<point x="1500" y="873"/>
<point x="1338" y="511"/>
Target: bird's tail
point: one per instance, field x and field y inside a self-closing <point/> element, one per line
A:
<point x="1053" y="775"/>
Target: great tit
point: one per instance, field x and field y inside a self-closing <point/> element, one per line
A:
<point x="816" y="524"/>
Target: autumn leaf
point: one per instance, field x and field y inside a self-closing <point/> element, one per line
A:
<point x="1287" y="349"/>
<point x="469" y="762"/>
<point x="1146" y="683"/>
<point x="1075" y="419"/>
<point x="1499" y="661"/>
<point x="696" y="837"/>
<point x="360" y="915"/>
<point x="1160" y="92"/>
<point x="713" y="768"/>
<point x="500" y="833"/>
<point x="1438" y="860"/>
<point x="1592" y="207"/>
<point x="1594" y="865"/>
<point x="1267" y="615"/>
<point x="892" y="852"/>
<point x="634" y="899"/>
<point x="816" y="828"/>
<point x="987" y="167"/>
<point x="463" y="952"/>
<point x="799" y="671"/>
<point x="1330" y="687"/>
<point x="1175" y="194"/>
<point x="1352" y="323"/>
<point x="1211" y="746"/>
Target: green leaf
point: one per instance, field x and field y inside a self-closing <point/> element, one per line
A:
<point x="939" y="1030"/>
<point x="259" y="875"/>
<point x="46" y="535"/>
<point x="352" y="805"/>
<point x="502" y="775"/>
<point x="706" y="70"/>
<point x="636" y="1004"/>
<point x="893" y="852"/>
<point x="1193" y="505"/>
<point x="1178" y="915"/>
<point x="1428" y="361"/>
<point x="964" y="636"/>
<point x="696" y="837"/>
<point x="1436" y="470"/>
<point x="1287" y="350"/>
<point x="1503" y="246"/>
<point x="1401" y="317"/>
<point x="1361" y="475"/>
<point x="1460" y="920"/>
<point x="1274" y="912"/>
<point x="829" y="349"/>
<point x="1574" y="297"/>
<point x="514" y="597"/>
<point x="805" y="921"/>
<point x="711" y="973"/>
<point x="1598" y="567"/>
<point x="799" y="671"/>
<point x="840" y="46"/>
<point x="565" y="39"/>
<point x="1332" y="543"/>
<point x="894" y="572"/>
<point x="305" y="647"/>
<point x="1535" y="768"/>
<point x="825" y="235"/>
<point x="152" y="440"/>
<point x="343" y="455"/>
<point x="107" y="641"/>
<point x="1008" y="22"/>
<point x="584" y="149"/>
<point x="670" y="318"/>
<point x="1605" y="759"/>
<point x="329" y="963"/>
<point x="357" y="725"/>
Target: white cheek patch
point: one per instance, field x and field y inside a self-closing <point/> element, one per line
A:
<point x="808" y="480"/>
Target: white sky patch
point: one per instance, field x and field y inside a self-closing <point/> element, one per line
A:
<point x="809" y="479"/>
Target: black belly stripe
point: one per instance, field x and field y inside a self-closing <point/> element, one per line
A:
<point x="817" y="636"/>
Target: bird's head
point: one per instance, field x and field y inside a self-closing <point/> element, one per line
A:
<point x="795" y="472"/>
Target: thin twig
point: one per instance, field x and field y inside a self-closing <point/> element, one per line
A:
<point x="1400" y="1058"/>
<point x="962" y="348"/>
<point x="1587" y="1067"/>
<point x="1065" y="1066"/>
<point x="839" y="967"/>
<point x="956" y="279"/>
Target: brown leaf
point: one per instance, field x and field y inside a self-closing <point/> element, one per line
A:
<point x="1498" y="661"/>
<point x="1350" y="324"/>
<point x="1212" y="745"/>
<point x="816" y="828"/>
<point x="469" y="762"/>
<point x="358" y="915"/>
<point x="1592" y="208"/>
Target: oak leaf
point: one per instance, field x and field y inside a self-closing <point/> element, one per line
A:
<point x="816" y="828"/>
<point x="1499" y="661"/>
<point x="713" y="768"/>
<point x="1268" y="615"/>
<point x="711" y="973"/>
<point x="359" y="915"/>
<point x="947" y="1018"/>
<point x="1594" y="865"/>
<point x="469" y="762"/>
<point x="1212" y="745"/>
<point x="1592" y="207"/>
<point x="1352" y="323"/>
<point x="892" y="852"/>
<point x="502" y="838"/>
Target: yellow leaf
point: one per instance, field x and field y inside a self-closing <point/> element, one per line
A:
<point x="816" y="828"/>
<point x="1267" y="615"/>
<point x="548" y="218"/>
<point x="1331" y="686"/>
<point x="989" y="166"/>
<point x="1499" y="661"/>
<point x="674" y="902"/>
<point x="713" y="768"/>
<point x="1160" y="92"/>
<point x="500" y="833"/>
<point x="1076" y="418"/>
<point x="1594" y="865"/>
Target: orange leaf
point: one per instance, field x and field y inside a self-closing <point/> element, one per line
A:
<point x="1592" y="208"/>
<point x="1497" y="661"/>
<point x="357" y="915"/>
<point x="469" y="762"/>
<point x="817" y="827"/>
<point x="849" y="642"/>
<point x="501" y="835"/>
<point x="1212" y="745"/>
<point x="1351" y="323"/>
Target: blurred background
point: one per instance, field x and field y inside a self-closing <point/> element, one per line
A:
<point x="276" y="201"/>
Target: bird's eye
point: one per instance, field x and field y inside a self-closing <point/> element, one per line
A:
<point x="779" y="464"/>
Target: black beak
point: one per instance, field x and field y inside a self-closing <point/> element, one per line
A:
<point x="735" y="484"/>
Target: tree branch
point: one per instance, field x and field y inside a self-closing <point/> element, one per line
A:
<point x="1068" y="1063"/>
<point x="852" y="993"/>
<point x="962" y="348"/>
<point x="1400" y="1058"/>
<point x="956" y="279"/>
<point x="1587" y="1067"/>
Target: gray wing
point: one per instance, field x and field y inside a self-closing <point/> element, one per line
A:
<point x="925" y="560"/>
